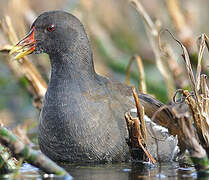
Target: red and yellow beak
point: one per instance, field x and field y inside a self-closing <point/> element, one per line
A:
<point x="25" y="46"/>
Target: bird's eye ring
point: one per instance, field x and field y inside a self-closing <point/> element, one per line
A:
<point x="51" y="28"/>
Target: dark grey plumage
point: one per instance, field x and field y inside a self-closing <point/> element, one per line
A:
<point x="83" y="114"/>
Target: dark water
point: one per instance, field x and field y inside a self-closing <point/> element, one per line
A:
<point x="114" y="171"/>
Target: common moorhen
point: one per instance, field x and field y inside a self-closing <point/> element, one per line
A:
<point x="82" y="118"/>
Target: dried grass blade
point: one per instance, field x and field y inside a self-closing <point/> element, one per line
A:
<point x="197" y="117"/>
<point x="205" y="108"/>
<point x="188" y="65"/>
<point x="142" y="83"/>
<point x="128" y="69"/>
<point x="145" y="16"/>
<point x="188" y="68"/>
<point x="177" y="71"/>
<point x="183" y="29"/>
<point x="205" y="92"/>
<point x="207" y="41"/>
<point x="201" y="46"/>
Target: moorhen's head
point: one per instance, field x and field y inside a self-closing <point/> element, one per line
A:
<point x="54" y="32"/>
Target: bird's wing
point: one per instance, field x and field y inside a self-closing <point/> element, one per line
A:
<point x="151" y="105"/>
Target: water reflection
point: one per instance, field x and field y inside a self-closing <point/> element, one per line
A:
<point x="126" y="171"/>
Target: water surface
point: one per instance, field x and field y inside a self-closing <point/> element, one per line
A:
<point x="124" y="171"/>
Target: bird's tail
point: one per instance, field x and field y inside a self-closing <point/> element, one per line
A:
<point x="160" y="113"/>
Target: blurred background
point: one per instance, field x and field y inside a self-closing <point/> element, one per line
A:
<point x="116" y="32"/>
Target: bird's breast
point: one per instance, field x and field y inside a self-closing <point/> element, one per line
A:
<point x="82" y="121"/>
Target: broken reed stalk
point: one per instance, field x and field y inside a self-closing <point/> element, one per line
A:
<point x="137" y="131"/>
<point x="33" y="157"/>
<point x="140" y="113"/>
<point x="24" y="68"/>
<point x="142" y="83"/>
<point x="140" y="125"/>
<point x="153" y="34"/>
<point x="140" y="141"/>
<point x="135" y="139"/>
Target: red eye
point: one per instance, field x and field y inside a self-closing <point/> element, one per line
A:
<point x="51" y="28"/>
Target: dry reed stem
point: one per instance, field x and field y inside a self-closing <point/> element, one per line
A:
<point x="129" y="124"/>
<point x="137" y="127"/>
<point x="176" y="14"/>
<point x="140" y="113"/>
<point x="207" y="41"/>
<point x="184" y="31"/>
<point x="201" y="46"/>
<point x="142" y="83"/>
<point x="205" y="91"/>
<point x="128" y="69"/>
<point x="188" y="66"/>
<point x="10" y="32"/>
<point x="146" y="18"/>
<point x="139" y="135"/>
<point x="153" y="34"/>
<point x="177" y="71"/>
<point x="189" y="69"/>
<point x="195" y="112"/>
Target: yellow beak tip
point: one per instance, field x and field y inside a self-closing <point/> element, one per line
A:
<point x="11" y="52"/>
<point x="14" y="49"/>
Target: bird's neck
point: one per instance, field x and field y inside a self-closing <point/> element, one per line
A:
<point x="73" y="67"/>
